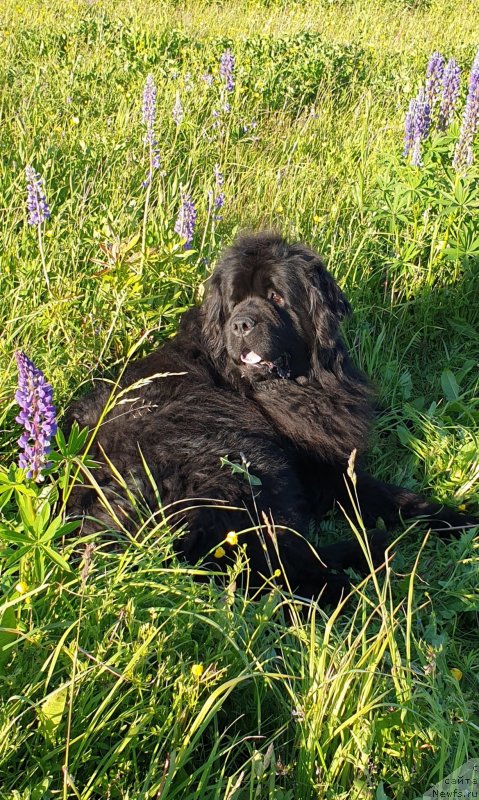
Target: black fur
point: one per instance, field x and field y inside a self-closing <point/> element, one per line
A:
<point x="295" y="415"/>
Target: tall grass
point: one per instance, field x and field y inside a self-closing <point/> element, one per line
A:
<point x="121" y="676"/>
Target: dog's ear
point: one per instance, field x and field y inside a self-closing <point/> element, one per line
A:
<point x="328" y="306"/>
<point x="329" y="291"/>
<point x="213" y="317"/>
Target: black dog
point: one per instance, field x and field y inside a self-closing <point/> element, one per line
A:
<point x="264" y="379"/>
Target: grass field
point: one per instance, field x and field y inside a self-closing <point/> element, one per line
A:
<point x="121" y="676"/>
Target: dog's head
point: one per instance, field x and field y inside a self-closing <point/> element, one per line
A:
<point x="272" y="311"/>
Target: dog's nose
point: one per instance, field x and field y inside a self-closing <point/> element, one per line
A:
<point x="242" y="325"/>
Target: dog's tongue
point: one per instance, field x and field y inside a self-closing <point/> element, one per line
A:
<point x="251" y="358"/>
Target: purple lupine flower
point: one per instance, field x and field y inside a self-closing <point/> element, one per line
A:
<point x="475" y="63"/>
<point x="185" y="222"/>
<point x="219" y="179"/>
<point x="450" y="91"/>
<point x="422" y="115"/>
<point x="409" y="127"/>
<point x="149" y="107"/>
<point x="463" y="154"/>
<point x="227" y="64"/>
<point x="37" y="415"/>
<point x="219" y="194"/>
<point x="434" y="73"/>
<point x="149" y="118"/>
<point x="422" y="123"/>
<point x="38" y="209"/>
<point x="178" y="113"/>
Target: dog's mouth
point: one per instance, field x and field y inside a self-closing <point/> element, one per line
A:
<point x="280" y="366"/>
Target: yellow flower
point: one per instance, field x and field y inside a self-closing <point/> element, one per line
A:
<point x="197" y="670"/>
<point x="277" y="573"/>
<point x="316" y="219"/>
<point x="456" y="673"/>
<point x="219" y="552"/>
<point x="279" y="210"/>
<point x="75" y="121"/>
<point x="21" y="587"/>
<point x="232" y="537"/>
<point x="462" y="507"/>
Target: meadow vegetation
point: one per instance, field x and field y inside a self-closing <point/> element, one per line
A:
<point x="121" y="676"/>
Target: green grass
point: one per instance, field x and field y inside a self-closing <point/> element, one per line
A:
<point x="124" y="677"/>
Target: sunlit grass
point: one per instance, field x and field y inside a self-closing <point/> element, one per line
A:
<point x="122" y="676"/>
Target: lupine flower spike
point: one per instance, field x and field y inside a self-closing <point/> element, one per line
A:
<point x="38" y="209"/>
<point x="450" y="91"/>
<point x="219" y="194"/>
<point x="149" y="118"/>
<point x="227" y="64"/>
<point x="434" y="75"/>
<point x="409" y="127"/>
<point x="463" y="155"/>
<point x="37" y="415"/>
<point x="185" y="222"/>
<point x="422" y="123"/>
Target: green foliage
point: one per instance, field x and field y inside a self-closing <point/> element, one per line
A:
<point x="427" y="222"/>
<point x="121" y="675"/>
<point x="28" y="529"/>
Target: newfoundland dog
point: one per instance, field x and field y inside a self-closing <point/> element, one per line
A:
<point x="246" y="420"/>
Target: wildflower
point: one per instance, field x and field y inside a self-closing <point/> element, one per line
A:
<point x="219" y="552"/>
<point x="21" y="587"/>
<point x="450" y="91"/>
<point x="149" y="117"/>
<point x="37" y="415"/>
<point x="208" y="79"/>
<point x="456" y="673"/>
<point x="149" y="107"/>
<point x="219" y="195"/>
<point x="434" y="74"/>
<point x="185" y="222"/>
<point x="422" y="123"/>
<point x="197" y="670"/>
<point x="38" y="209"/>
<point x="227" y="63"/>
<point x="232" y="538"/>
<point x="409" y="127"/>
<point x="277" y="573"/>
<point x="463" y="155"/>
<point x="178" y="113"/>
<point x="219" y="201"/>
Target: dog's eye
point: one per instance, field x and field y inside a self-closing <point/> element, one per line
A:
<point x="276" y="298"/>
